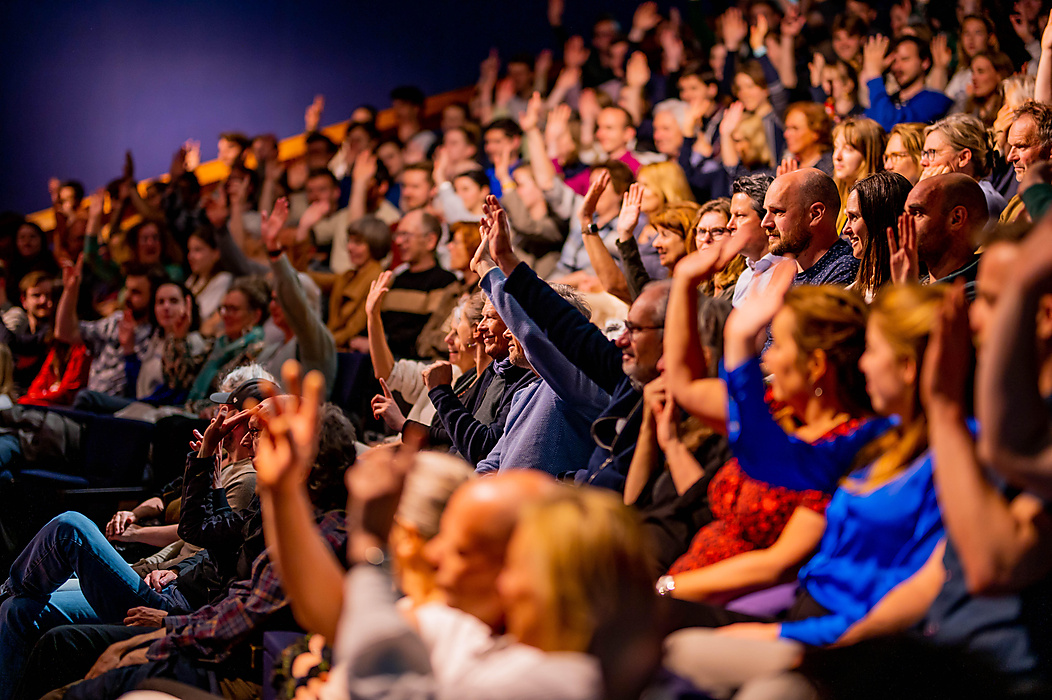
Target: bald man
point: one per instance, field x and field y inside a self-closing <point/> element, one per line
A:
<point x="802" y="208"/>
<point x="950" y="213"/>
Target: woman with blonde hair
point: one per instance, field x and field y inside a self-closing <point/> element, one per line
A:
<point x="960" y="143"/>
<point x="858" y="151"/>
<point x="744" y="144"/>
<point x="903" y="151"/>
<point x="663" y="184"/>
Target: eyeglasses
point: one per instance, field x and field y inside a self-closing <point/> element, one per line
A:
<point x="230" y="309"/>
<point x="714" y="233"/>
<point x="897" y="155"/>
<point x="633" y="328"/>
<point x="930" y="153"/>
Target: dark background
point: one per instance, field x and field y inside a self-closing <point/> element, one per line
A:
<point x="84" y="81"/>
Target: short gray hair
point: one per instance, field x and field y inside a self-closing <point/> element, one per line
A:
<point x="677" y="108"/>
<point x="239" y="375"/>
<point x="574" y="297"/>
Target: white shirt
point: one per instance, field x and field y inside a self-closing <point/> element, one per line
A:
<point x="756" y="275"/>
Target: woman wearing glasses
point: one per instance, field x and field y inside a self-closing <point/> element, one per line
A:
<point x="959" y="143"/>
<point x="902" y="154"/>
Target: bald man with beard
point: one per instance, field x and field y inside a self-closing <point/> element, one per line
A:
<point x="802" y="208"/>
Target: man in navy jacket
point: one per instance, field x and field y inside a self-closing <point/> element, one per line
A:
<point x="621" y="367"/>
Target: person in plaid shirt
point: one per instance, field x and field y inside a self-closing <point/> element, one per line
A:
<point x="215" y="644"/>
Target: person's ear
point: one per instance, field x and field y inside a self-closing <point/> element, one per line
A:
<point x="817" y="366"/>
<point x="964" y="158"/>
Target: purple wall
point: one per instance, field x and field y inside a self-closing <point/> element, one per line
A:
<point x="82" y="82"/>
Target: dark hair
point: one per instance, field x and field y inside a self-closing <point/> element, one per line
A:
<point x="257" y="293"/>
<point x="471" y="132"/>
<point x="881" y="198"/>
<point x="391" y="139"/>
<point x="371" y="109"/>
<point x="326" y="173"/>
<point x="510" y="127"/>
<point x="318" y="137"/>
<point x="425" y="167"/>
<point x="850" y="23"/>
<point x="476" y="176"/>
<point x="375" y="233"/>
<point x="408" y="93"/>
<point x="78" y="189"/>
<point x="192" y="183"/>
<point x="755" y="186"/>
<point x="923" y="49"/>
<point x="195" y="313"/>
<point x="155" y="277"/>
<point x="236" y="137"/>
<point x="326" y="485"/>
<point x="207" y="235"/>
<point x="620" y="175"/>
<point x="40" y="234"/>
<point x="368" y="127"/>
<point x="170" y="250"/>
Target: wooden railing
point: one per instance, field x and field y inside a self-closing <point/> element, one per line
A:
<point x="289" y="149"/>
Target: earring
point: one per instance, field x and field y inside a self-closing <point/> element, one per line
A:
<point x="818" y="391"/>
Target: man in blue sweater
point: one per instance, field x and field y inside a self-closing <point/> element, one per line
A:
<point x="548" y="427"/>
<point x="910" y="63"/>
<point x="620" y="368"/>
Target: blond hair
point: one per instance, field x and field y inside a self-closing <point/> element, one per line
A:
<point x="668" y="180"/>
<point x="593" y="566"/>
<point x="428" y="488"/>
<point x="752" y="131"/>
<point x="965" y="131"/>
<point x="905" y="316"/>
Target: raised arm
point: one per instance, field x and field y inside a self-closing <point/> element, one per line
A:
<point x="67" y="329"/>
<point x="610" y="275"/>
<point x="543" y="169"/>
<point x="1003" y="545"/>
<point x="1016" y="436"/>
<point x="1043" y="86"/>
<point x="379" y="351"/>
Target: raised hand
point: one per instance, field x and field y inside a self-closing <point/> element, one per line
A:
<point x="735" y="29"/>
<point x="873" y="56"/>
<point x="591" y="198"/>
<point x="543" y="64"/>
<point x="272" y="223"/>
<point x="575" y="53"/>
<point x="793" y="23"/>
<point x="815" y="67"/>
<point x="193" y="154"/>
<point x="504" y="93"/>
<point x="758" y="32"/>
<point x="96" y="205"/>
<point x="312" y="117"/>
<point x="645" y="18"/>
<point x="489" y="69"/>
<point x="637" y="70"/>
<point x="385" y="408"/>
<point x="223" y="422"/>
<point x="364" y="168"/>
<point x="904" y="265"/>
<point x="787" y="166"/>
<point x="1046" y="36"/>
<point x="530" y="119"/>
<point x="129" y="166"/>
<point x="703" y="264"/>
<point x="671" y="47"/>
<point x="481" y="262"/>
<point x="72" y="272"/>
<point x="629" y="216"/>
<point x="558" y="122"/>
<point x="497" y="231"/>
<point x="588" y="106"/>
<point x="732" y="118"/>
<point x="313" y="214"/>
<point x="947" y="366"/>
<point x="378" y="288"/>
<point x="217" y="208"/>
<point x="941" y="55"/>
<point x="53" y="186"/>
<point x="289" y="441"/>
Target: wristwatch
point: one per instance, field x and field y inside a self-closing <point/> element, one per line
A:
<point x="593" y="229"/>
<point x="665" y="585"/>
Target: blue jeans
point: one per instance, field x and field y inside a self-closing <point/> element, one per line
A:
<point x="45" y="597"/>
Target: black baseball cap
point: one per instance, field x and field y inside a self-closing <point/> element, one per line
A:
<point x="255" y="389"/>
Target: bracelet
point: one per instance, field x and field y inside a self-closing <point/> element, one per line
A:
<point x="665" y="585"/>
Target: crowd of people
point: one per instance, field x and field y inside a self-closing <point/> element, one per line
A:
<point x="714" y="360"/>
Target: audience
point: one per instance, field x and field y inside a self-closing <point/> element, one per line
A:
<point x="847" y="200"/>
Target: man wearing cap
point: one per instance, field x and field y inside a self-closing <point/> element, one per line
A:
<point x="38" y="594"/>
